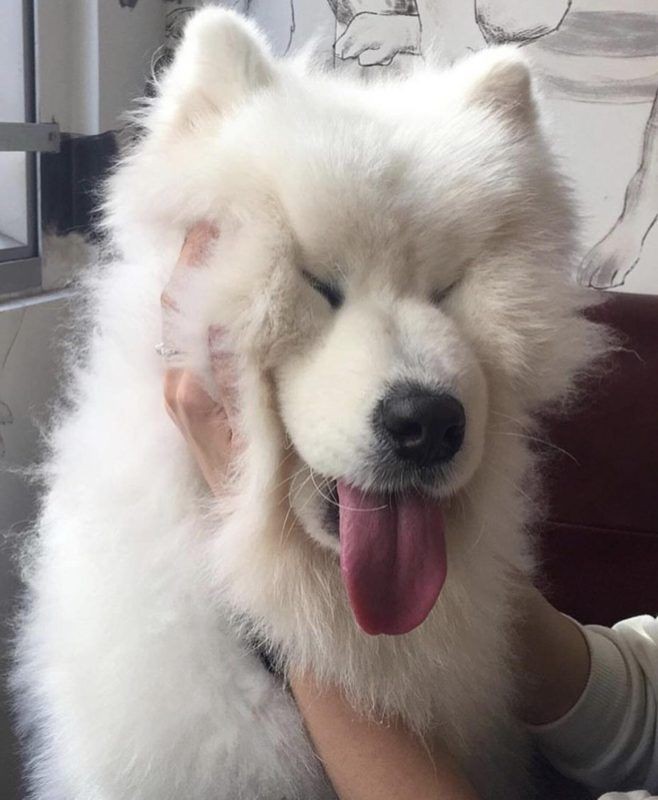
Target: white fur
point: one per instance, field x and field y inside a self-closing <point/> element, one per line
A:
<point x="134" y="670"/>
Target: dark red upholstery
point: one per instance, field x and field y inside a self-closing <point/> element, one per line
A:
<point x="600" y="545"/>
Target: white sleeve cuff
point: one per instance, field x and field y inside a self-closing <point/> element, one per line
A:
<point x="639" y="795"/>
<point x="577" y="742"/>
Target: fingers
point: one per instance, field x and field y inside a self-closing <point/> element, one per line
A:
<point x="356" y="38"/>
<point x="203" y="423"/>
<point x="196" y="248"/>
<point x="375" y="57"/>
<point x="347" y="48"/>
<point x="197" y="244"/>
<point x="185" y="397"/>
<point x="207" y="423"/>
<point x="193" y="252"/>
<point x="224" y="370"/>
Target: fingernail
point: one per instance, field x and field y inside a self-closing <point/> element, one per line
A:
<point x="197" y="241"/>
<point x="167" y="301"/>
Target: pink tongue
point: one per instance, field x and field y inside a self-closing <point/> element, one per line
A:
<point x="392" y="556"/>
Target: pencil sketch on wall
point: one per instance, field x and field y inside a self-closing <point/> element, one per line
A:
<point x="599" y="65"/>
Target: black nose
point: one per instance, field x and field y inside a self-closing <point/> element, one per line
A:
<point x="423" y="426"/>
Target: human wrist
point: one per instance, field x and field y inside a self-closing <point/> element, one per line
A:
<point x="556" y="660"/>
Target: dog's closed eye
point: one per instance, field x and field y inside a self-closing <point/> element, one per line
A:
<point x="331" y="293"/>
<point x="438" y="296"/>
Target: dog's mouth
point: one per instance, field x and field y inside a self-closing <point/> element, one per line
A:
<point x="392" y="554"/>
<point x="331" y="509"/>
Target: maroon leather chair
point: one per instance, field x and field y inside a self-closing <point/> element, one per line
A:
<point x="600" y="544"/>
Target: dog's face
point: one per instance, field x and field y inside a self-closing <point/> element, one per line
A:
<point x="385" y="255"/>
<point x="383" y="214"/>
<point x="382" y="387"/>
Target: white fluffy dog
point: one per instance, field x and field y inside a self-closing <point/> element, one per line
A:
<point x="393" y="274"/>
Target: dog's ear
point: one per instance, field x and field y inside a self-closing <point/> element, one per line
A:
<point x="499" y="79"/>
<point x="221" y="60"/>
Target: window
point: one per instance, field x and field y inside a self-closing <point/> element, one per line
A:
<point x="21" y="138"/>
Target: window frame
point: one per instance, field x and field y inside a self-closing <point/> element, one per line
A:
<point x="20" y="267"/>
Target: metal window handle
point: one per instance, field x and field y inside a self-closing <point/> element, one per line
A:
<point x="31" y="137"/>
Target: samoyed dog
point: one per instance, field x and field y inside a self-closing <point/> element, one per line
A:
<point x="393" y="277"/>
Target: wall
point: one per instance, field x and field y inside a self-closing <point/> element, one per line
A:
<point x="597" y="61"/>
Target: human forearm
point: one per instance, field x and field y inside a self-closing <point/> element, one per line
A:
<point x="609" y="739"/>
<point x="368" y="760"/>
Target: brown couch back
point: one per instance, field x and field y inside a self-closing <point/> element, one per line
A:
<point x="600" y="545"/>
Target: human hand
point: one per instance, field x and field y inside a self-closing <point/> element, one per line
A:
<point x="208" y="424"/>
<point x="378" y="38"/>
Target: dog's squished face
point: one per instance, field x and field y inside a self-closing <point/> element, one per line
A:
<point x="380" y="230"/>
